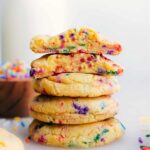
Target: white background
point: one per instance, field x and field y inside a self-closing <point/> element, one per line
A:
<point x="126" y="21"/>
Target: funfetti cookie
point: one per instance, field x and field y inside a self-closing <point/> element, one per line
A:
<point x="83" y="40"/>
<point x="79" y="63"/>
<point x="87" y="135"/>
<point x="66" y="110"/>
<point x="9" y="141"/>
<point x="76" y="85"/>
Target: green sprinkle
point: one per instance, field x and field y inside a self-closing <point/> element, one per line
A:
<point x="141" y="146"/>
<point x="55" y="48"/>
<point x="147" y="135"/>
<point x="99" y="135"/>
<point x="82" y="44"/>
<point x="71" y="47"/>
<point x="66" y="50"/>
<point x="67" y="74"/>
<point x="71" y="145"/>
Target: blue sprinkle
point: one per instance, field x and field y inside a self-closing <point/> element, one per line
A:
<point x="102" y="105"/>
<point x="22" y="124"/>
<point x="123" y="126"/>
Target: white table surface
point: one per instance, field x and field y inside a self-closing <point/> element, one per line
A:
<point x="134" y="100"/>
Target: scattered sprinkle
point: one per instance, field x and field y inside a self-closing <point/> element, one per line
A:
<point x="17" y="119"/>
<point x="101" y="71"/>
<point x="41" y="139"/>
<point x="102" y="105"/>
<point x="28" y="139"/>
<point x="140" y="140"/>
<point x="99" y="135"/>
<point x="22" y="124"/>
<point x="81" y="110"/>
<point x="14" y="128"/>
<point x="147" y="135"/>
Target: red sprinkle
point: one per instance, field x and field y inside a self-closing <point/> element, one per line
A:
<point x="117" y="47"/>
<point x="145" y="148"/>
<point x="79" y="68"/>
<point x="27" y="140"/>
<point x="71" y="55"/>
<point x="90" y="58"/>
<point x="80" y="51"/>
<point x="120" y="71"/>
<point x="89" y="65"/>
<point x="82" y="60"/>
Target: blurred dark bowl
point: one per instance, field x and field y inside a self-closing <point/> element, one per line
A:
<point x="15" y="97"/>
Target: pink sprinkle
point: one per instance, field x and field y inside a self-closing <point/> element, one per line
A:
<point x="102" y="140"/>
<point x="62" y="45"/>
<point x="41" y="139"/>
<point x="100" y="80"/>
<point x="110" y="84"/>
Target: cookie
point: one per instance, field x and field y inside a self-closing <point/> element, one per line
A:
<point x="76" y="85"/>
<point x="86" y="135"/>
<point x="66" y="110"/>
<point x="75" y="63"/>
<point x="9" y="141"/>
<point x="83" y="40"/>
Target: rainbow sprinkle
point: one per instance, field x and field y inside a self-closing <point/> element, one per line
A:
<point x="12" y="70"/>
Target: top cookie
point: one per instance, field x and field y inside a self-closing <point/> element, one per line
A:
<point x="75" y="41"/>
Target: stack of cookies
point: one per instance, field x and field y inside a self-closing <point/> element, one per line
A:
<point x="75" y="108"/>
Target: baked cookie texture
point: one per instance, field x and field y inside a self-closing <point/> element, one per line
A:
<point x="9" y="141"/>
<point x="66" y="110"/>
<point x="76" y="85"/>
<point x="83" y="40"/>
<point x="49" y="65"/>
<point x="81" y="136"/>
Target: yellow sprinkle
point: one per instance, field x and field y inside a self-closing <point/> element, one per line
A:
<point x="39" y="42"/>
<point x="14" y="128"/>
<point x="2" y="144"/>
<point x="17" y="119"/>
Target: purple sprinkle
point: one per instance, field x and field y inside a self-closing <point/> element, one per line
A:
<point x="102" y="140"/>
<point x="140" y="140"/>
<point x="72" y="34"/>
<point x="81" y="110"/>
<point x="110" y="52"/>
<point x="32" y="72"/>
<point x="101" y="71"/>
<point x="61" y="37"/>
